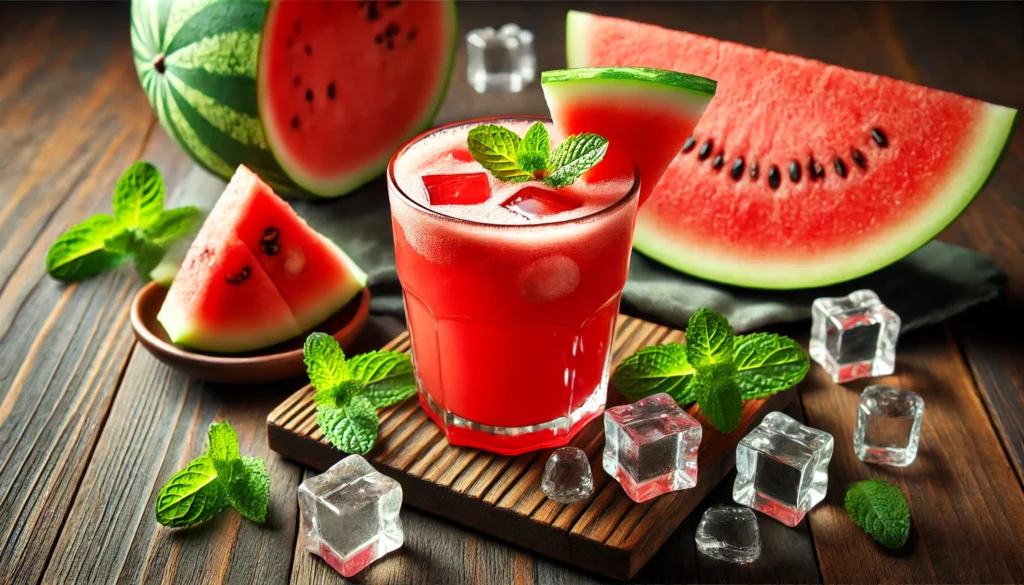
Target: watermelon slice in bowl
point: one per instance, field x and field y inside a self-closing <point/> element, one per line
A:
<point x="800" y="174"/>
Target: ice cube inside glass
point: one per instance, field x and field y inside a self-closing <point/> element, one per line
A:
<point x="888" y="426"/>
<point x="350" y="515"/>
<point x="782" y="468"/>
<point x="651" y="447"/>
<point x="854" y="336"/>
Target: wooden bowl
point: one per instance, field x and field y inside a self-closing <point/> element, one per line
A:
<point x="278" y="362"/>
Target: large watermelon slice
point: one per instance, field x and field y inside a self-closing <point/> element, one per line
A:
<point x="646" y="115"/>
<point x="255" y="275"/>
<point x="314" y="96"/>
<point x="799" y="174"/>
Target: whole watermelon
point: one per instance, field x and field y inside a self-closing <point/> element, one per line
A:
<point x="314" y="96"/>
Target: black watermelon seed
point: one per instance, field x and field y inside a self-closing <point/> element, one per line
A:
<point x="815" y="170"/>
<point x="718" y="161"/>
<point x="391" y="30"/>
<point x="309" y="95"/>
<point x="794" y="172"/>
<point x="705" y="150"/>
<point x="371" y="11"/>
<point x="297" y="80"/>
<point x="689" y="144"/>
<point x="737" y="169"/>
<point x="330" y="90"/>
<point x="394" y="2"/>
<point x="858" y="157"/>
<point x="753" y="170"/>
<point x="840" y="167"/>
<point x="879" y="137"/>
<point x="773" y="177"/>
<point x="271" y="249"/>
<point x="309" y="50"/>
<point x="159" y="63"/>
<point x="238" y="278"/>
<point x="379" y="39"/>
<point x="270" y="235"/>
<point x="295" y="123"/>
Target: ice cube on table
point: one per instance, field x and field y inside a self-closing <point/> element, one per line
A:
<point x="782" y="468"/>
<point x="888" y="426"/>
<point x="651" y="447"/>
<point x="460" y="189"/>
<point x="854" y="336"/>
<point x="729" y="534"/>
<point x="534" y="202"/>
<point x="500" y="60"/>
<point x="567" y="477"/>
<point x="350" y="515"/>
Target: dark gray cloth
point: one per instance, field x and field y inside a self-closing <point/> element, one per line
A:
<point x="928" y="286"/>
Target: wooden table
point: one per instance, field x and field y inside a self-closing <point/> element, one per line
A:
<point x="91" y="425"/>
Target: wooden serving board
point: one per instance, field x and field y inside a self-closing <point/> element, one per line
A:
<point x="501" y="496"/>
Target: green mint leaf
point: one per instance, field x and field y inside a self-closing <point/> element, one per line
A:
<point x="172" y="225"/>
<point x="576" y="155"/>
<point x="337" y="395"/>
<point x="325" y="362"/>
<point x="532" y="153"/>
<point x="656" y="369"/>
<point x="709" y="339"/>
<point x="352" y="427"/>
<point x="87" y="249"/>
<point x="718" y="396"/>
<point x="222" y="448"/>
<point x="387" y="377"/>
<point x="495" y="147"/>
<point x="139" y="196"/>
<point x="767" y="363"/>
<point x="881" y="510"/>
<point x="191" y="496"/>
<point x="248" y="490"/>
<point x="146" y="255"/>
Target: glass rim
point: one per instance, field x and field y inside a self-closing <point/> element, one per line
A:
<point x="631" y="193"/>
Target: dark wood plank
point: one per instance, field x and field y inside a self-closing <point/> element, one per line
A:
<point x="72" y="119"/>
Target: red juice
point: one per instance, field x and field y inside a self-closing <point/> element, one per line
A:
<point x="511" y="291"/>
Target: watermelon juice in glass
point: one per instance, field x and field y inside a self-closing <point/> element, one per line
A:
<point x="512" y="288"/>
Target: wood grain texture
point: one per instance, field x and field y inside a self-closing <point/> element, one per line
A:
<point x="608" y="534"/>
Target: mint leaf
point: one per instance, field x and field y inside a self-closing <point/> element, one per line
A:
<point x="709" y="339"/>
<point x="495" y="147"/>
<point x="767" y="363"/>
<point x="87" y="249"/>
<point x="337" y="395"/>
<point x="146" y="255"/>
<point x="325" y="361"/>
<point x="881" y="510"/>
<point x="172" y="225"/>
<point x="352" y="427"/>
<point x="248" y="490"/>
<point x="191" y="496"/>
<point x="718" y="397"/>
<point x="387" y="377"/>
<point x="222" y="448"/>
<point x="656" y="369"/>
<point x="576" y="155"/>
<point x="532" y="153"/>
<point x="139" y="196"/>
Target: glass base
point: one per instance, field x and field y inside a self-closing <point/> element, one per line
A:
<point x="515" y="440"/>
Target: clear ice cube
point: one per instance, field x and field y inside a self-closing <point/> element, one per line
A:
<point x="782" y="468"/>
<point x="854" y="336"/>
<point x="350" y="515"/>
<point x="651" y="447"/>
<point x="888" y="426"/>
<point x="729" y="534"/>
<point x="567" y="477"/>
<point x="534" y="202"/>
<point x="500" y="60"/>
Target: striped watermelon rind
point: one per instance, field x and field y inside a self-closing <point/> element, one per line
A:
<point x="208" y="96"/>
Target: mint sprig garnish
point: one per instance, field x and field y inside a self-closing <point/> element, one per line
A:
<point x="349" y="392"/>
<point x="140" y="228"/>
<point x="881" y="510"/>
<point x="219" y="478"/>
<point x="714" y="368"/>
<point x="513" y="159"/>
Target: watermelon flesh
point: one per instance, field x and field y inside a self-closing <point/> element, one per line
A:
<point x="255" y="275"/>
<point x="800" y="173"/>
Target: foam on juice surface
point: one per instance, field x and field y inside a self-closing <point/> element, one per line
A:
<point x="445" y="153"/>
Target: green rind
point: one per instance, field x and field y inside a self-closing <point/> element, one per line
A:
<point x="693" y="84"/>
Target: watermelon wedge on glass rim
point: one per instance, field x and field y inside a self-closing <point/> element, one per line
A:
<point x="800" y="174"/>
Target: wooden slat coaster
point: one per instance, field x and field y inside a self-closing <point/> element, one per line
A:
<point x="501" y="496"/>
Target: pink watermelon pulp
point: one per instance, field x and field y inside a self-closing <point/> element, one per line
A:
<point x="799" y="174"/>
<point x="646" y="115"/>
<point x="255" y="275"/>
